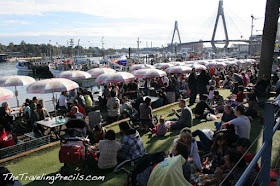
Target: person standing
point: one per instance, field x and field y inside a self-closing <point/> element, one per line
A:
<point x="192" y="81"/>
<point x="113" y="105"/>
<point x="202" y="81"/>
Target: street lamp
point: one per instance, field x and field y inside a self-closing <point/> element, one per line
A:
<point x="251" y="39"/>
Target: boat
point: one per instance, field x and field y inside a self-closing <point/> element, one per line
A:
<point x="117" y="62"/>
<point x="3" y="57"/>
<point x="24" y="65"/>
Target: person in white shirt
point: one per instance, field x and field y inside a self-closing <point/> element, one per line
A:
<point x="62" y="102"/>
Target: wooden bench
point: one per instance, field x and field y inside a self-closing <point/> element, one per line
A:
<point x="32" y="135"/>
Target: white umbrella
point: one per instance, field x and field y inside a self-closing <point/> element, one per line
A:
<point x="74" y="75"/>
<point x="178" y="70"/>
<point x="51" y="86"/>
<point x="176" y="63"/>
<point x="141" y="66"/>
<point x="189" y="62"/>
<point x="149" y="73"/>
<point x="5" y="94"/>
<point x="163" y="65"/>
<point x="120" y="77"/>
<point x="205" y="63"/>
<point x="15" y="81"/>
<point x="198" y="67"/>
<point x="98" y="71"/>
<point x="115" y="77"/>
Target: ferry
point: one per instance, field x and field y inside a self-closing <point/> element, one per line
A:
<point x="24" y="65"/>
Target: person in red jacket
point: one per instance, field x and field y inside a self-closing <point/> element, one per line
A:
<point x="6" y="138"/>
<point x="81" y="109"/>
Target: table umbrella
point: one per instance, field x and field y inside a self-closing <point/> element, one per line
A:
<point x="199" y="67"/>
<point x="98" y="71"/>
<point x="10" y="81"/>
<point x="177" y="63"/>
<point x="74" y="75"/>
<point x="120" y="77"/>
<point x="163" y="65"/>
<point x="178" y="70"/>
<point x="5" y="94"/>
<point x="141" y="66"/>
<point x="149" y="73"/>
<point x="51" y="86"/>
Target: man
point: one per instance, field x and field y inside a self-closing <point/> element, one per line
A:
<point x="6" y="117"/>
<point x="228" y="115"/>
<point x="113" y="105"/>
<point x="81" y="109"/>
<point x="106" y="92"/>
<point x="6" y="138"/>
<point x="231" y="158"/>
<point x="199" y="111"/>
<point x="218" y="100"/>
<point x="242" y="123"/>
<point x="62" y="102"/>
<point x="40" y="114"/>
<point x="132" y="145"/>
<point x="185" y="120"/>
<point x="76" y="113"/>
<point x="192" y="82"/>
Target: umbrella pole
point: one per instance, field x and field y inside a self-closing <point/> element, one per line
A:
<point x="54" y="106"/>
<point x="16" y="94"/>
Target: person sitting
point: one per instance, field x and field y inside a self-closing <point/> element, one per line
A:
<point x="132" y="145"/>
<point x="126" y="108"/>
<point x="81" y="99"/>
<point x="242" y="123"/>
<point x="218" y="100"/>
<point x="187" y="138"/>
<point x="76" y="113"/>
<point x="228" y="115"/>
<point x="99" y="133"/>
<point x="6" y="138"/>
<point x="239" y="96"/>
<point x="233" y="159"/>
<point x="146" y="116"/>
<point x="252" y="111"/>
<point x="5" y="115"/>
<point x="161" y="128"/>
<point x="108" y="148"/>
<point x="40" y="114"/>
<point x="262" y="86"/>
<point x="185" y="120"/>
<point x="242" y="145"/>
<point x="113" y="105"/>
<point x="88" y="99"/>
<point x="81" y="109"/>
<point x="199" y="111"/>
<point x="227" y="82"/>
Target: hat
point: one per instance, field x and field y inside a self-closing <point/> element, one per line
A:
<point x="244" y="142"/>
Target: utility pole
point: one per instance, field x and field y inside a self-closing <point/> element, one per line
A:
<point x="71" y="45"/>
<point x="138" y="43"/>
<point x="251" y="39"/>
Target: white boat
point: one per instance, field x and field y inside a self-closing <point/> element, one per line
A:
<point x="117" y="62"/>
<point x="25" y="66"/>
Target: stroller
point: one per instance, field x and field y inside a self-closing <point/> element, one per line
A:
<point x="75" y="151"/>
<point x="141" y="172"/>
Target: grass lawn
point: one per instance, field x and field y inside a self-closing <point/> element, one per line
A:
<point x="47" y="162"/>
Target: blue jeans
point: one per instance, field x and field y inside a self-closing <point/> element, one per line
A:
<point x="218" y="125"/>
<point x="205" y="143"/>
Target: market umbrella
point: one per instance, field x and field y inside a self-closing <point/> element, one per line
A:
<point x="5" y="94"/>
<point x="98" y="71"/>
<point x="115" y="77"/>
<point x="163" y="65"/>
<point x="199" y="67"/>
<point x="74" y="75"/>
<point x="51" y="86"/>
<point x="149" y="73"/>
<point x="177" y="63"/>
<point x="178" y="70"/>
<point x="10" y="81"/>
<point x="141" y="66"/>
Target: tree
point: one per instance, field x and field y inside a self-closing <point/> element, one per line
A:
<point x="268" y="38"/>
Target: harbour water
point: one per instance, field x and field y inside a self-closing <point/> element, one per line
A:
<point x="8" y="69"/>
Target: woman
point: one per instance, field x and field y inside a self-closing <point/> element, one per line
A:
<point x="108" y="148"/>
<point x="146" y="117"/>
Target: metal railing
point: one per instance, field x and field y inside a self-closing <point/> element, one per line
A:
<point x="265" y="151"/>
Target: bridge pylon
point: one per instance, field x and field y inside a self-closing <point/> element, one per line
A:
<point x="175" y="29"/>
<point x="220" y="13"/>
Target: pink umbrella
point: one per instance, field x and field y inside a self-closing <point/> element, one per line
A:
<point x="74" y="75"/>
<point x="141" y="66"/>
<point x="149" y="73"/>
<point x="199" y="67"/>
<point x="5" y="94"/>
<point x="178" y="70"/>
<point x="98" y="71"/>
<point x="177" y="63"/>
<point x="163" y="65"/>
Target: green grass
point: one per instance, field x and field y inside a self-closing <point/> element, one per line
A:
<point x="47" y="162"/>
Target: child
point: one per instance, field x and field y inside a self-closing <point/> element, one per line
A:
<point x="162" y="128"/>
<point x="186" y="137"/>
<point x="217" y="153"/>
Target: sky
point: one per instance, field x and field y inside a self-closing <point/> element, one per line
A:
<point x="121" y="22"/>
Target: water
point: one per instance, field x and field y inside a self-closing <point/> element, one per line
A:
<point x="9" y="69"/>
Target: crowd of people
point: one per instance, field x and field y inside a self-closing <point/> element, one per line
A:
<point x="224" y="147"/>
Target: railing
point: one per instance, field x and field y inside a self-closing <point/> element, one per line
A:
<point x="265" y="151"/>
